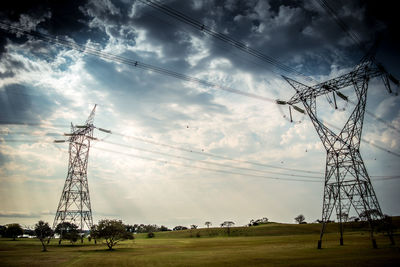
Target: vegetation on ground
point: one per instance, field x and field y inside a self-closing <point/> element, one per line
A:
<point x="262" y="245"/>
<point x="43" y="233"/>
<point x="112" y="231"/>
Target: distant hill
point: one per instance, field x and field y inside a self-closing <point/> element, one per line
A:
<point x="267" y="229"/>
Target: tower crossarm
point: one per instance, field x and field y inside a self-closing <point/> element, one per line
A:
<point x="354" y="77"/>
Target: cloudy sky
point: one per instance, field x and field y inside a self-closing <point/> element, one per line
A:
<point x="183" y="153"/>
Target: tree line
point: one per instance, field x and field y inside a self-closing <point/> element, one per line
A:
<point x="114" y="231"/>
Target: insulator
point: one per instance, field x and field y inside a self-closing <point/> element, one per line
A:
<point x="104" y="130"/>
<point x="334" y="98"/>
<point x="59" y="141"/>
<point x="68" y="134"/>
<point x="81" y="126"/>
<point x="299" y="109"/>
<point x="342" y="96"/>
<point x="281" y="102"/>
<point x="91" y="138"/>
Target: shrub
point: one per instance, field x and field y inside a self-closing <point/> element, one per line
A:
<point x="150" y="235"/>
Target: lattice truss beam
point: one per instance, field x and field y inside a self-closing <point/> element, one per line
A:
<point x="346" y="179"/>
<point x="74" y="205"/>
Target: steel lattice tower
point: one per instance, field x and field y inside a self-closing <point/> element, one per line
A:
<point x="74" y="205"/>
<point x="347" y="182"/>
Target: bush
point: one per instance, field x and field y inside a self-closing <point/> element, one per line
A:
<point x="150" y="235"/>
<point x="68" y="231"/>
<point x="13" y="230"/>
<point x="179" y="227"/>
<point x="112" y="231"/>
<point x="43" y="232"/>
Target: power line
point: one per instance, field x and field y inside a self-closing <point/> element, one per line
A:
<point x="243" y="47"/>
<point x="378" y="178"/>
<point x="205" y="168"/>
<point x="194" y="151"/>
<point x="185" y="165"/>
<point x="197" y="151"/>
<point x="223" y="37"/>
<point x="96" y="52"/>
<point x="208" y="162"/>
<point x="371" y="143"/>
<point x="39" y="124"/>
<point x="354" y="37"/>
<point x="202" y="153"/>
<point x="388" y="124"/>
<point x="224" y="171"/>
<point x="332" y="13"/>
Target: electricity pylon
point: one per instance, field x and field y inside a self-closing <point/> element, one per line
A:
<point x="74" y="205"/>
<point x="347" y="182"/>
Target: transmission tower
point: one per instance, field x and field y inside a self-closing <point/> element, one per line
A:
<point x="347" y="182"/>
<point x="74" y="205"/>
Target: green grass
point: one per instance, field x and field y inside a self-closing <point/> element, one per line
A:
<point x="261" y="230"/>
<point x="265" y="245"/>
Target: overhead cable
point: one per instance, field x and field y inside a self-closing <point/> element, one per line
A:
<point x="242" y="46"/>
<point x="379" y="178"/>
<point x="205" y="168"/>
<point x="203" y="153"/>
<point x="208" y="162"/>
<point x="98" y="53"/>
<point x="223" y="37"/>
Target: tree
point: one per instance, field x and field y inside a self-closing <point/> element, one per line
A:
<point x="258" y="221"/>
<point x="179" y="227"/>
<point x="13" y="230"/>
<point x="68" y="231"/>
<point x="2" y="230"/>
<point x="300" y="219"/>
<point x="94" y="233"/>
<point x="150" y="235"/>
<point x="164" y="228"/>
<point x="130" y="228"/>
<point x="370" y="214"/>
<point x="228" y="225"/>
<point x="386" y="225"/>
<point x="344" y="217"/>
<point x="354" y="219"/>
<point x="208" y="224"/>
<point x="142" y="228"/>
<point x="112" y="231"/>
<point x="43" y="232"/>
<point x="193" y="226"/>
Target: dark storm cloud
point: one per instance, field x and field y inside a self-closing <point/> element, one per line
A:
<point x="297" y="33"/>
<point x="62" y="18"/>
<point x="286" y="30"/>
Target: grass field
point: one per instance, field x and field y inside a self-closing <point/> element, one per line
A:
<point x="266" y="245"/>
